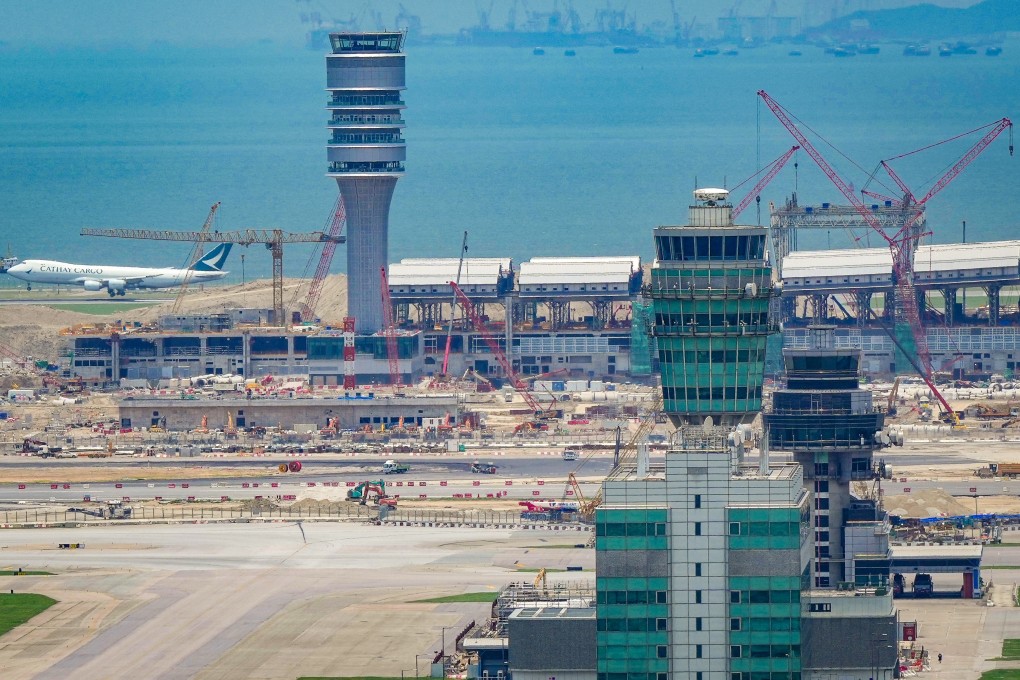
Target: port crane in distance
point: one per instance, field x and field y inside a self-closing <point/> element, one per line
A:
<point x="273" y="239"/>
<point x="903" y="243"/>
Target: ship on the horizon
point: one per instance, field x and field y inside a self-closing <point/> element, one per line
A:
<point x="556" y="28"/>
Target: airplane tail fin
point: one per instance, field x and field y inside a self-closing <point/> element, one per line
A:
<point x="214" y="260"/>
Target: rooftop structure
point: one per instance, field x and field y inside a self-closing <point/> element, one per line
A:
<point x="366" y="153"/>
<point x="935" y="267"/>
<point x="556" y="281"/>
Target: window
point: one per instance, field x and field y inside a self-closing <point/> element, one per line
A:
<point x="698" y="623"/>
<point x="660" y="651"/>
<point x="734" y="624"/>
<point x="697" y="528"/>
<point x="697" y="568"/>
<point x="734" y="528"/>
<point x="697" y="597"/>
<point x="734" y="597"/>
<point x="734" y="651"/>
<point x="660" y="597"/>
<point x="697" y="500"/>
<point x="821" y="606"/>
<point x="660" y="624"/>
<point x="697" y="651"/>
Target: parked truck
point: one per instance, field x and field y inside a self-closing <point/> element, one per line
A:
<point x="392" y="467"/>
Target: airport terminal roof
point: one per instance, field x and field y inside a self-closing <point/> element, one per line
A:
<point x="933" y="264"/>
<point x="477" y="271"/>
<point x="579" y="270"/>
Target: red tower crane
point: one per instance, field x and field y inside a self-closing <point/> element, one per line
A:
<point x="497" y="351"/>
<point x="902" y="244"/>
<point x="389" y="330"/>
<point x="773" y="169"/>
<point x="336" y="227"/>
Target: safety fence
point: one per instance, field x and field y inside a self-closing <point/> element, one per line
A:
<point x="184" y="513"/>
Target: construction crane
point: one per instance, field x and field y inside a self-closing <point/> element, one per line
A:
<point x="903" y="244"/>
<point x="195" y="254"/>
<point x="453" y="305"/>
<point x="773" y="169"/>
<point x="389" y="331"/>
<point x="625" y="455"/>
<point x="511" y="374"/>
<point x="336" y="227"/>
<point x="272" y="238"/>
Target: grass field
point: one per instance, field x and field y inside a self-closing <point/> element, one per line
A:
<point x="15" y="572"/>
<point x="1011" y="649"/>
<point x="100" y="308"/>
<point x="20" y="607"/>
<point x="353" y="677"/>
<point x="463" y="597"/>
<point x="1002" y="674"/>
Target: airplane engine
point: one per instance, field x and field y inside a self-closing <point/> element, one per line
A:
<point x="117" y="285"/>
<point x="93" y="285"/>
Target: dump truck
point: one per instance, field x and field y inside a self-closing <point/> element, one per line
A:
<point x="392" y="467"/>
<point x="1006" y="469"/>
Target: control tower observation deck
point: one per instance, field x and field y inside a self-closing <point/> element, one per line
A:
<point x="366" y="153"/>
<point x="710" y="290"/>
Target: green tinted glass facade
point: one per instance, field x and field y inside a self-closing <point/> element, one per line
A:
<point x="764" y="638"/>
<point x="710" y="292"/>
<point x="631" y="610"/>
<point x="332" y="347"/>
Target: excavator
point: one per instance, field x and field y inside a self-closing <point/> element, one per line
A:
<point x="363" y="492"/>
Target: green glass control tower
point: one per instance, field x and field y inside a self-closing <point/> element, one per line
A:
<point x="710" y="291"/>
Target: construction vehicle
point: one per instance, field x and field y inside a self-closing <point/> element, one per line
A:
<point x="392" y="467"/>
<point x="890" y="406"/>
<point x="1011" y="470"/>
<point x="540" y="578"/>
<point x="363" y="492"/>
<point x="483" y="468"/>
<point x="112" y="510"/>
<point x="986" y="412"/>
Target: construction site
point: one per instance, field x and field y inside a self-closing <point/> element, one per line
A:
<point x="838" y="421"/>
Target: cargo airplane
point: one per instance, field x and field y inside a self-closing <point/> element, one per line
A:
<point x="118" y="280"/>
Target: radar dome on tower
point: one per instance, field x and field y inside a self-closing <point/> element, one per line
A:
<point x="711" y="196"/>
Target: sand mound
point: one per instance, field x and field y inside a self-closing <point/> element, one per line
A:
<point x="926" y="503"/>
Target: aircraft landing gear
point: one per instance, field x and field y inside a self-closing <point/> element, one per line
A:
<point x="28" y="287"/>
<point x="112" y="292"/>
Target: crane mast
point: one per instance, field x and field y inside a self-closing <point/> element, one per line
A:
<point x="496" y="350"/>
<point x="389" y="330"/>
<point x="336" y="228"/>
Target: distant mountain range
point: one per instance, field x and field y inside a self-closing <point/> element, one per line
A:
<point x="928" y="22"/>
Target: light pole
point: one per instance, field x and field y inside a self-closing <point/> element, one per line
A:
<point x="418" y="656"/>
<point x="443" y="648"/>
<point x="876" y="651"/>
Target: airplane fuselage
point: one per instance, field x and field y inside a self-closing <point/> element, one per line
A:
<point x="97" y="277"/>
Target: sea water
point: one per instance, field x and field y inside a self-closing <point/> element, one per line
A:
<point x="532" y="155"/>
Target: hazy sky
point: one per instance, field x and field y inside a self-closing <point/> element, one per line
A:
<point x="59" y="23"/>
